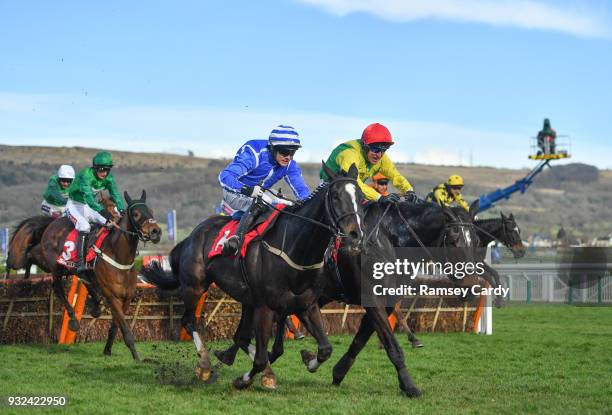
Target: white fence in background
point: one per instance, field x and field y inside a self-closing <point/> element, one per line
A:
<point x="547" y="283"/>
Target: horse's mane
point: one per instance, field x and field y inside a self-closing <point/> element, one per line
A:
<point x="38" y="222"/>
<point x="300" y="203"/>
<point x="417" y="209"/>
<point x="487" y="221"/>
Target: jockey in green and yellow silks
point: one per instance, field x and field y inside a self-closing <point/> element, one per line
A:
<point x="368" y="154"/>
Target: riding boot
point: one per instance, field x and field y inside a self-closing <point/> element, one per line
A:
<point x="234" y="243"/>
<point x="81" y="265"/>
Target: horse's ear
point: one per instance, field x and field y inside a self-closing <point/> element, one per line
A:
<point x="474" y="208"/>
<point x="143" y="196"/>
<point x="127" y="197"/>
<point x="353" y="171"/>
<point x="328" y="171"/>
<point x="512" y="217"/>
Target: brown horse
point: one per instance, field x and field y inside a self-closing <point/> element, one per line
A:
<point x="27" y="235"/>
<point x="113" y="274"/>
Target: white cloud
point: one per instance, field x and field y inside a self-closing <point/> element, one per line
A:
<point x="218" y="132"/>
<point x="526" y="14"/>
<point x="439" y="157"/>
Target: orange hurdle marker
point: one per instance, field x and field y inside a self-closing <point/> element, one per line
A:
<point x="78" y="311"/>
<point x="184" y="336"/>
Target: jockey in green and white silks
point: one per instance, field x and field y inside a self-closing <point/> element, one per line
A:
<point x="82" y="207"/>
<point x="56" y="194"/>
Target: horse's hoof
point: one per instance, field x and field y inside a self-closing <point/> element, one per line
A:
<point x="413" y="392"/>
<point x="73" y="325"/>
<point x="107" y="352"/>
<point x="306" y="358"/>
<point x="240" y="383"/>
<point x="417" y="344"/>
<point x="223" y="358"/>
<point x="268" y="382"/>
<point x="499" y="302"/>
<point x="206" y="376"/>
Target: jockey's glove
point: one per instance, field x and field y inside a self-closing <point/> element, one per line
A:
<point x="390" y="198"/>
<point x="254" y="192"/>
<point x="411" y="196"/>
<point x="106" y="214"/>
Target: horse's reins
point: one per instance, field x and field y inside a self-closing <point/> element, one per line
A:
<point x="140" y="234"/>
<point x="330" y="213"/>
<point x="413" y="233"/>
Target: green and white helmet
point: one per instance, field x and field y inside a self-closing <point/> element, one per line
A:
<point x="103" y="159"/>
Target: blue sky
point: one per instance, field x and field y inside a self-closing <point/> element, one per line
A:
<point x="450" y="78"/>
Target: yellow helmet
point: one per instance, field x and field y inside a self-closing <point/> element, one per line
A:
<point x="455" y="180"/>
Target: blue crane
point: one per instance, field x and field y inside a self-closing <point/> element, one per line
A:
<point x="487" y="200"/>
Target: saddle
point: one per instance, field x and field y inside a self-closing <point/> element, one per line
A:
<point x="263" y="224"/>
<point x="68" y="257"/>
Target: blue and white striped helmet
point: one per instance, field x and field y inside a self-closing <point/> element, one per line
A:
<point x="284" y="135"/>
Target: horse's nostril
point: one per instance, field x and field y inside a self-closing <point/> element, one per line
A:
<point x="354" y="234"/>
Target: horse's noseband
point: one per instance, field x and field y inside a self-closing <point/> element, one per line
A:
<point x="336" y="219"/>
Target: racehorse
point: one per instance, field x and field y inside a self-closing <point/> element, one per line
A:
<point x="280" y="274"/>
<point x="26" y="235"/>
<point x="113" y="274"/>
<point x="412" y="225"/>
<point x="506" y="231"/>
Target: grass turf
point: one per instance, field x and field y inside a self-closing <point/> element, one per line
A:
<point x="541" y="358"/>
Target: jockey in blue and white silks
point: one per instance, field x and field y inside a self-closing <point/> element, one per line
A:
<point x="257" y="166"/>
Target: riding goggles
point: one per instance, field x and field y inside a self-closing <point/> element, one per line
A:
<point x="285" y="152"/>
<point x="378" y="148"/>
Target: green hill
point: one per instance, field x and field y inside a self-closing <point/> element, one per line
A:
<point x="577" y="195"/>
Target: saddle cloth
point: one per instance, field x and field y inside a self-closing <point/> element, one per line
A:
<point x="69" y="256"/>
<point x="229" y="229"/>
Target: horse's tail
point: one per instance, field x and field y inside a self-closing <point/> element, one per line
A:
<point x="165" y="280"/>
<point x="155" y="274"/>
<point x="25" y="235"/>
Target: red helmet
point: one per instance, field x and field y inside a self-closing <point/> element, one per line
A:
<point x="376" y="133"/>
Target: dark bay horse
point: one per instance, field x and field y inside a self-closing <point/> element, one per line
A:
<point x="265" y="282"/>
<point x="27" y="234"/>
<point x="113" y="275"/>
<point x="429" y="225"/>
<point x="506" y="231"/>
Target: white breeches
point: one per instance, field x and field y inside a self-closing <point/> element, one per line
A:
<point x="82" y="215"/>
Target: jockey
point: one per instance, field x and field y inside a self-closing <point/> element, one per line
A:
<point x="445" y="194"/>
<point x="82" y="207"/>
<point x="257" y="166"/>
<point x="381" y="184"/>
<point x="56" y="194"/>
<point x="368" y="154"/>
<point x="546" y="138"/>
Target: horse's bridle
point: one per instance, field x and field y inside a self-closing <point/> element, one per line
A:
<point x="139" y="233"/>
<point x="333" y="218"/>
